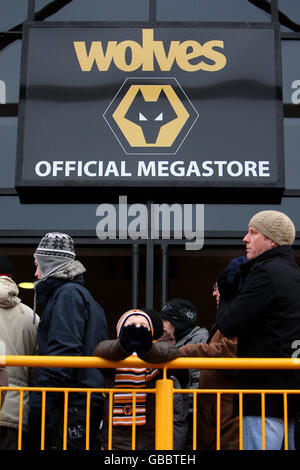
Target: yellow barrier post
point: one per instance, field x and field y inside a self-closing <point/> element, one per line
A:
<point x="133" y="434"/>
<point x="218" y="419"/>
<point x="43" y="420"/>
<point x="241" y="421"/>
<point x="285" y="414"/>
<point x="88" y="420"/>
<point x="20" y="420"/>
<point x="194" y="421"/>
<point x="110" y="408"/>
<point x="65" y="429"/>
<point x="263" y="421"/>
<point x="164" y="415"/>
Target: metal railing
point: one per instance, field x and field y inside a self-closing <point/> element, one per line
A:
<point x="163" y="391"/>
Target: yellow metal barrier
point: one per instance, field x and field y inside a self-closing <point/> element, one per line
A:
<point x="164" y="415"/>
<point x="163" y="391"/>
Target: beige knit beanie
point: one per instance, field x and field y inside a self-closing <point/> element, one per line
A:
<point x="274" y="225"/>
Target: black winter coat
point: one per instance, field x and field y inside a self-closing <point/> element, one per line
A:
<point x="72" y="324"/>
<point x="265" y="316"/>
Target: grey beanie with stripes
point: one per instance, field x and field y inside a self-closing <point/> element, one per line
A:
<point x="56" y="244"/>
<point x="55" y="250"/>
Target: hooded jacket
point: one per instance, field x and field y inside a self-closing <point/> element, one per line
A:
<point x="71" y="324"/>
<point x="18" y="329"/>
<point x="265" y="317"/>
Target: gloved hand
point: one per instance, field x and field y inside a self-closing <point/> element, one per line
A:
<point x="230" y="281"/>
<point x="135" y="339"/>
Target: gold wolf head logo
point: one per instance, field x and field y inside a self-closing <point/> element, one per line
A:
<point x="150" y="115"/>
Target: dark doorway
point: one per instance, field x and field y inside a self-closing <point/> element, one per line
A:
<point x="117" y="286"/>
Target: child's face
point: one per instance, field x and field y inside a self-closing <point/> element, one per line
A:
<point x="168" y="327"/>
<point x="137" y="320"/>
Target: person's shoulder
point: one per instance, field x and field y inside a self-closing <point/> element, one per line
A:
<point x="72" y="287"/>
<point x="200" y="331"/>
<point x="270" y="265"/>
<point x="79" y="293"/>
<point x="29" y="315"/>
<point x="197" y="335"/>
<point x="271" y="269"/>
<point x="25" y="309"/>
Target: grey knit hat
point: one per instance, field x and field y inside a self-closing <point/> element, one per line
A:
<point x="56" y="244"/>
<point x="274" y="225"/>
<point x="54" y="251"/>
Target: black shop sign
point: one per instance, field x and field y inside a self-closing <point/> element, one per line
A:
<point x="109" y="109"/>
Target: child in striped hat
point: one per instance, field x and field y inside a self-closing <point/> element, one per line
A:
<point x="140" y="333"/>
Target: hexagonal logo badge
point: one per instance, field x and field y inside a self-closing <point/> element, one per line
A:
<point x="150" y="116"/>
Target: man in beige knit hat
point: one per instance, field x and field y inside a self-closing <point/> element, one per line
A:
<point x="265" y="317"/>
<point x="268" y="229"/>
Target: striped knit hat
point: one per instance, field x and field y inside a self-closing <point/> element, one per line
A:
<point x="131" y="313"/>
<point x="274" y="225"/>
<point x="153" y="318"/>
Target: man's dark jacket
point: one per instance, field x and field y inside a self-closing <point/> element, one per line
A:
<point x="265" y="316"/>
<point x="72" y="324"/>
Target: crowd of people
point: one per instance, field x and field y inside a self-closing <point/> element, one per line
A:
<point x="257" y="316"/>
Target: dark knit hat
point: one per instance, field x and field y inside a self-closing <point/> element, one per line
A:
<point x="56" y="244"/>
<point x="157" y="322"/>
<point x="181" y="313"/>
<point x="5" y="266"/>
